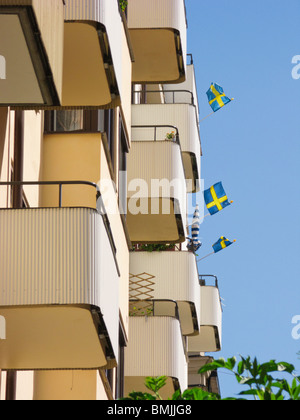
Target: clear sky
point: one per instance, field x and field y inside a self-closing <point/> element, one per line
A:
<point x="252" y="146"/>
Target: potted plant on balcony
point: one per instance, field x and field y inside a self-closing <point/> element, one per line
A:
<point x="154" y="247"/>
<point x="170" y="136"/>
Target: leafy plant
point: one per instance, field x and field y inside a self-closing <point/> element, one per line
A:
<point x="136" y="311"/>
<point x="260" y="379"/>
<point x="154" y="247"/>
<point x="154" y="384"/>
<point x="170" y="136"/>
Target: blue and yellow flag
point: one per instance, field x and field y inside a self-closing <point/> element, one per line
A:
<point x="216" y="199"/>
<point x="222" y="243"/>
<point x="216" y="97"/>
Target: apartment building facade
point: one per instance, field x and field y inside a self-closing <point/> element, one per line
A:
<point x="96" y="105"/>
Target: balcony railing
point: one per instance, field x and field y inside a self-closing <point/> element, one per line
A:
<point x="155" y="133"/>
<point x="169" y="96"/>
<point x="155" y="307"/>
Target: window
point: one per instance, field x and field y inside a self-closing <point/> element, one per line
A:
<point x="67" y="121"/>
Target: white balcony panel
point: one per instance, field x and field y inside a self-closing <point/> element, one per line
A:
<point x="210" y="337"/>
<point x="156" y="349"/>
<point x="175" y="277"/>
<point x="184" y="117"/>
<point x="54" y="264"/>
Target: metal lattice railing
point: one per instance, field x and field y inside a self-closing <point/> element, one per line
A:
<point x="141" y="291"/>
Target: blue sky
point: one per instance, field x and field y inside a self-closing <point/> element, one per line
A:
<point x="252" y="146"/>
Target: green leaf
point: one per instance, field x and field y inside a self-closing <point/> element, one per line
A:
<point x="155" y="384"/>
<point x="138" y="396"/>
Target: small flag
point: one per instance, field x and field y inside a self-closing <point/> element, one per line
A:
<point x="216" y="199"/>
<point x="222" y="243"/>
<point x="216" y="97"/>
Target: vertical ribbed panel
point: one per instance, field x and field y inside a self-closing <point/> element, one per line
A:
<point x="176" y="278"/>
<point x="175" y="274"/>
<point x="59" y="256"/>
<point x="84" y="10"/>
<point x="155" y="348"/>
<point x="157" y="160"/>
<point x="210" y="337"/>
<point x="49" y="256"/>
<point x="155" y="170"/>
<point x="157" y="14"/>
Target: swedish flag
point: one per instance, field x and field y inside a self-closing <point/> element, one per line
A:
<point x="216" y="199"/>
<point x="222" y="243"/>
<point x="216" y="97"/>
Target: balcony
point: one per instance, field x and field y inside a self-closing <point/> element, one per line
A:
<point x="31" y="52"/>
<point x="158" y="34"/>
<point x="178" y="109"/>
<point x="155" y="347"/>
<point x="210" y="336"/>
<point x="208" y="381"/>
<point x="91" y="75"/>
<point x="156" y="186"/>
<point x="59" y="286"/>
<point x="168" y="275"/>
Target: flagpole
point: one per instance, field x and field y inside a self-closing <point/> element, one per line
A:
<point x="206" y="117"/>
<point x="208" y="214"/>
<point x="205" y="257"/>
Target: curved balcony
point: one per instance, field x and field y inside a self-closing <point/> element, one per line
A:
<point x="92" y="75"/>
<point x="177" y="107"/>
<point x="158" y="34"/>
<point x="59" y="286"/>
<point x="156" y="186"/>
<point x="183" y="116"/>
<point x="208" y="381"/>
<point x="168" y="275"/>
<point x="155" y="347"/>
<point x="210" y="336"/>
<point x="31" y="53"/>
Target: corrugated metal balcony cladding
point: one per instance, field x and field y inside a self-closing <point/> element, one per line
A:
<point x="56" y="261"/>
<point x="49" y="256"/>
